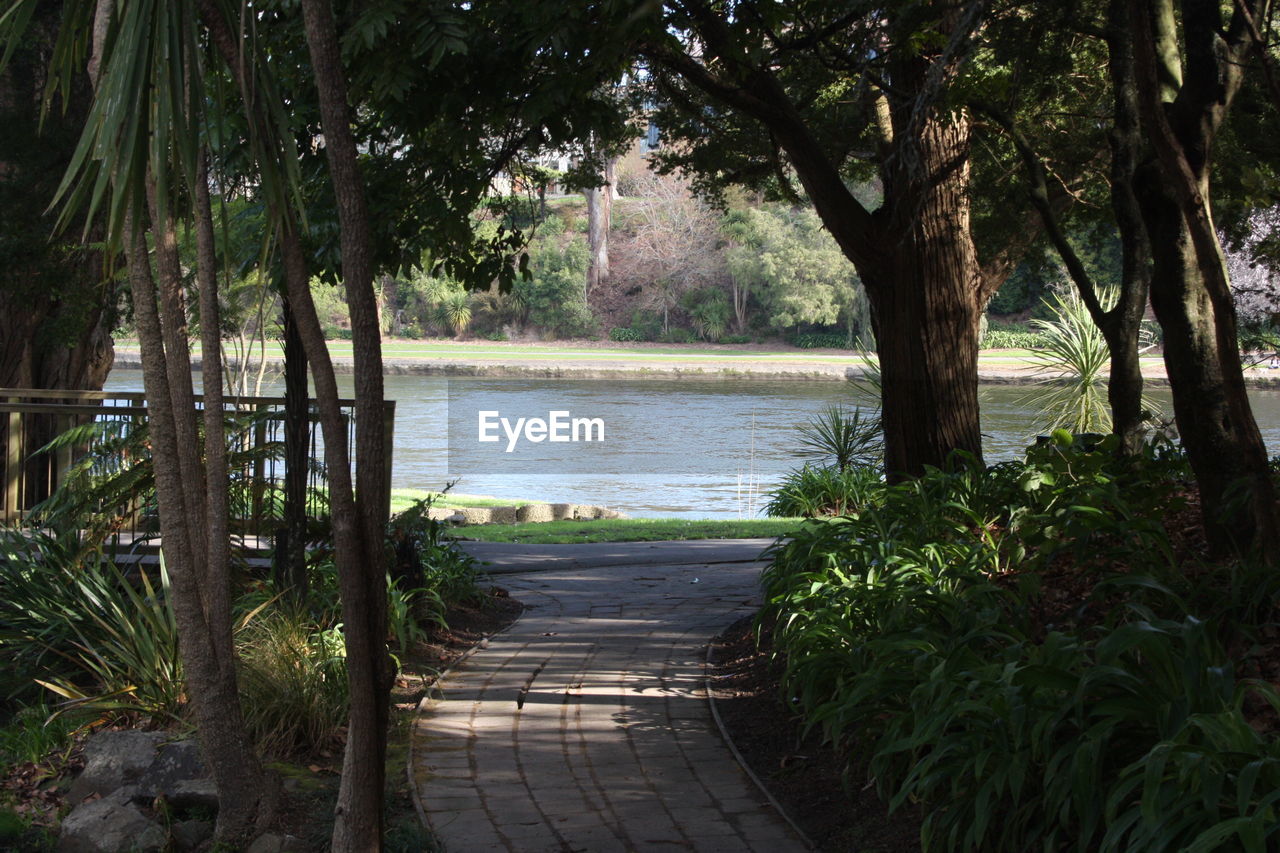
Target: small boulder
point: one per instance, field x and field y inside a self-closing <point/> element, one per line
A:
<point x="174" y="763"/>
<point x="112" y="824"/>
<point x="564" y="512"/>
<point x="193" y="793"/>
<point x="475" y="514"/>
<point x="114" y="759"/>
<point x="190" y="834"/>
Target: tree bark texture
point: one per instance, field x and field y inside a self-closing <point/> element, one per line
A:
<point x="925" y="306"/>
<point x="915" y="254"/>
<point x="57" y="304"/>
<point x="291" y="554"/>
<point x="1182" y="110"/>
<point x="599" y="222"/>
<point x="197" y="589"/>
<point x="358" y="823"/>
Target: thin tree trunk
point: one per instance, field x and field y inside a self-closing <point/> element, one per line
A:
<point x="599" y="222"/>
<point x="291" y="555"/>
<point x="358" y="823"/>
<point x="235" y="766"/>
<point x="193" y="525"/>
<point x="1120" y="324"/>
<point x="206" y="648"/>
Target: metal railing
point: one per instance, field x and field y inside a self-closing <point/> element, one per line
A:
<point x="31" y="419"/>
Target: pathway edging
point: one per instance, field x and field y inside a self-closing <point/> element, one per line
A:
<point x="742" y="761"/>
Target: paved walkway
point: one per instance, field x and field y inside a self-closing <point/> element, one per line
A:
<point x="585" y="727"/>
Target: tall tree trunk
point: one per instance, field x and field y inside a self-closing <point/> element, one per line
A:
<point x="1189" y="288"/>
<point x="915" y="254"/>
<point x="198" y="590"/>
<point x="56" y="305"/>
<point x="599" y="222"/>
<point x="1123" y="326"/>
<point x="358" y="824"/>
<point x="193" y="524"/>
<point x="235" y="766"/>
<point x="925" y="305"/>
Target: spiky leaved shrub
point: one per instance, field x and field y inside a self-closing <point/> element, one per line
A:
<point x="293" y="682"/>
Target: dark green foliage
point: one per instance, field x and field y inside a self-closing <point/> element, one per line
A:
<point x="83" y="631"/>
<point x="929" y="629"/>
<point x="624" y="334"/>
<point x="427" y="559"/>
<point x="821" y="340"/>
<point x="815" y="491"/>
<point x="676" y="335"/>
<point x="709" y="312"/>
<point x="648" y="324"/>
<point x="554" y="295"/>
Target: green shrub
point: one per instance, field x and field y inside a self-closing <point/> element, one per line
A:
<point x="843" y="437"/>
<point x="554" y="296"/>
<point x="623" y="334"/>
<point x="736" y="339"/>
<point x="816" y="491"/>
<point x="821" y="340"/>
<point x="293" y="682"/>
<point x="709" y="311"/>
<point x="436" y="564"/>
<point x="914" y="628"/>
<point x="78" y="628"/>
<point x="676" y="335"/>
<point x="1010" y="338"/>
<point x="647" y="323"/>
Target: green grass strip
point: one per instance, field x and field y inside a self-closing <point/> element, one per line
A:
<point x="629" y="530"/>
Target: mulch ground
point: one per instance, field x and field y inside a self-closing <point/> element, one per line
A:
<point x="838" y="811"/>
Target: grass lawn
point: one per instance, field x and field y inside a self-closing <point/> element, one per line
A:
<point x="629" y="530"/>
<point x="402" y="499"/>
<point x="571" y="351"/>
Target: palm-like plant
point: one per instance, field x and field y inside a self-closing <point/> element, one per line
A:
<point x="845" y="437"/>
<point x="1075" y="353"/>
<point x="454" y="311"/>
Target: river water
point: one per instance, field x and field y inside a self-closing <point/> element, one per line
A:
<point x="692" y="449"/>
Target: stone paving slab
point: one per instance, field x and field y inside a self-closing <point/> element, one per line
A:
<point x="585" y="727"/>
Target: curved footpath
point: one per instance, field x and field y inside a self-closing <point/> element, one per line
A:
<point x="585" y="726"/>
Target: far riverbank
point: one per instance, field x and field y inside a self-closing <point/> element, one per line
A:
<point x="704" y="362"/>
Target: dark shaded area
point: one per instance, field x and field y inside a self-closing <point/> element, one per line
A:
<point x="805" y="775"/>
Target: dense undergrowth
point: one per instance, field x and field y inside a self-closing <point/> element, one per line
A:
<point x="1037" y="653"/>
<point x="88" y="644"/>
